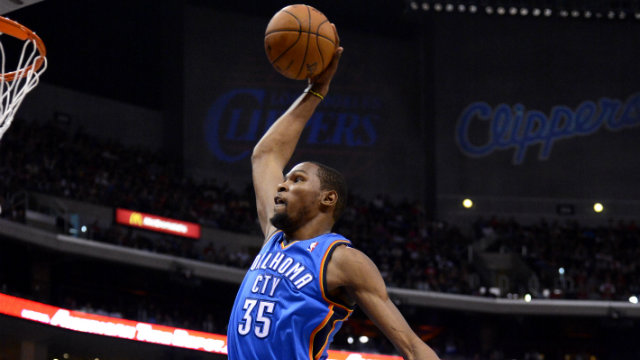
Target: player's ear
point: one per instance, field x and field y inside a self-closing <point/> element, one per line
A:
<point x="329" y="198"/>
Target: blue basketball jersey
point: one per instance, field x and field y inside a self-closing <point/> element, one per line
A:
<point x="282" y="310"/>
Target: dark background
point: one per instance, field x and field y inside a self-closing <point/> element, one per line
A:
<point x="168" y="62"/>
<point x="421" y="69"/>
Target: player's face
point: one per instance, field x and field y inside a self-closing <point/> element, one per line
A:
<point x="298" y="197"/>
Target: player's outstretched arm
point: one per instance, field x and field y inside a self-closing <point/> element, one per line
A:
<point x="359" y="275"/>
<point x="272" y="153"/>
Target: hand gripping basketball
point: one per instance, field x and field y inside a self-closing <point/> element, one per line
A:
<point x="300" y="41"/>
<point x="320" y="83"/>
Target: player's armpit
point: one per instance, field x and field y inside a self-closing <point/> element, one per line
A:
<point x="353" y="270"/>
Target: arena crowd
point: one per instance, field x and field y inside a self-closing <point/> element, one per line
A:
<point x="411" y="250"/>
<point x="570" y="260"/>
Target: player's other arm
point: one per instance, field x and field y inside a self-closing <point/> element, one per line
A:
<point x="363" y="282"/>
<point x="273" y="151"/>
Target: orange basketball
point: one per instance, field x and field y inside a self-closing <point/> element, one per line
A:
<point x="299" y="41"/>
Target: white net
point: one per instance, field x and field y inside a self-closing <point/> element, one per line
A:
<point x="15" y="85"/>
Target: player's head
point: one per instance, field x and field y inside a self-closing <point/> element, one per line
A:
<point x="309" y="190"/>
<point x="333" y="180"/>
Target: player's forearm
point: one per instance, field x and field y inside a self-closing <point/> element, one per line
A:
<point x="279" y="142"/>
<point x="413" y="348"/>
<point x="418" y="350"/>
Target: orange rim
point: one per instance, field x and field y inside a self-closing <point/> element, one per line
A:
<point x="18" y="31"/>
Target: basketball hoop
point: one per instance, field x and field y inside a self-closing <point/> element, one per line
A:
<point x="14" y="85"/>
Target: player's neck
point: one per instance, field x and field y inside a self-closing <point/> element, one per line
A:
<point x="314" y="228"/>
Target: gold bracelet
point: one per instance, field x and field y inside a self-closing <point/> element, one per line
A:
<point x="314" y="93"/>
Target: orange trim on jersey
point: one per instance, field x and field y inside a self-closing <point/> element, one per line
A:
<point x="318" y="328"/>
<point x="321" y="277"/>
<point x="333" y="326"/>
<point x="331" y="305"/>
<point x="283" y="246"/>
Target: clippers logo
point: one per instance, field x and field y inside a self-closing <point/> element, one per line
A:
<point x="135" y="219"/>
<point x="239" y="117"/>
<point x="312" y="246"/>
<point x="514" y="127"/>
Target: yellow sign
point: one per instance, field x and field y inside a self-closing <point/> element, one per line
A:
<point x="135" y="219"/>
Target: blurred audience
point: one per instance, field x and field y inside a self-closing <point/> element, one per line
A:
<point x="573" y="261"/>
<point x="569" y="260"/>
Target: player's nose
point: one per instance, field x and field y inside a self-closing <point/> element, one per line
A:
<point x="283" y="187"/>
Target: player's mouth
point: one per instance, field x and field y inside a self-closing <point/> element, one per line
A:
<point x="279" y="202"/>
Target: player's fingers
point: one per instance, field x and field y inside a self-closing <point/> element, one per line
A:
<point x="335" y="31"/>
<point x="333" y="65"/>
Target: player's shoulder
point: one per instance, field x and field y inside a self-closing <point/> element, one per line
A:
<point x="346" y="257"/>
<point x="352" y="268"/>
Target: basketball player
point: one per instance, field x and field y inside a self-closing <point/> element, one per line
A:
<point x="306" y="280"/>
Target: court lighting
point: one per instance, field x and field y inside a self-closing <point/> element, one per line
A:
<point x="611" y="9"/>
<point x="350" y="340"/>
<point x="363" y="339"/>
<point x="561" y="271"/>
<point x="598" y="207"/>
<point x="467" y="203"/>
<point x="633" y="299"/>
<point x="527" y="297"/>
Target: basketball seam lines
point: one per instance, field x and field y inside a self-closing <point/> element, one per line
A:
<point x="318" y="42"/>
<point x="302" y="31"/>
<point x="306" y="50"/>
<point x="294" y="43"/>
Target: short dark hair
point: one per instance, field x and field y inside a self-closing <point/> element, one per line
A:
<point x="332" y="179"/>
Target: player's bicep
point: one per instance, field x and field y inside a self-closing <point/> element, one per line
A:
<point x="266" y="177"/>
<point x="366" y="286"/>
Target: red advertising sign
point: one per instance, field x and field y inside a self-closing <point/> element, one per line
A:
<point x="157" y="223"/>
<point x="133" y="330"/>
